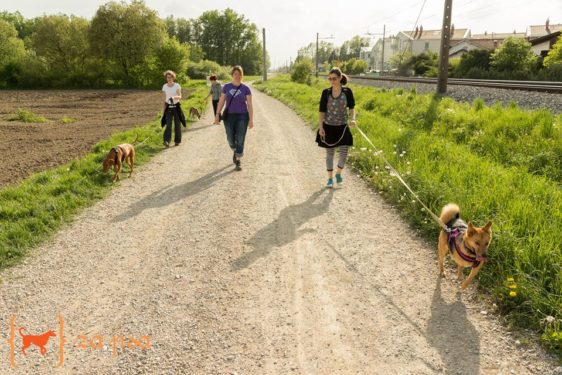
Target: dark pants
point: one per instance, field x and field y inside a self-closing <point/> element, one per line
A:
<point x="215" y="104"/>
<point x="172" y="113"/>
<point x="236" y="126"/>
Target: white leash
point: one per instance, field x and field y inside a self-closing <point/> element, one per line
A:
<point x="399" y="177"/>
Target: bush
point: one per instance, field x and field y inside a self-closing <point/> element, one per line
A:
<point x="204" y="68"/>
<point x="301" y="71"/>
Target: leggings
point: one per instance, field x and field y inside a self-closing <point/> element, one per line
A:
<point x="330" y="152"/>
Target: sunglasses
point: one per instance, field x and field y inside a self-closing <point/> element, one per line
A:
<point x="332" y="78"/>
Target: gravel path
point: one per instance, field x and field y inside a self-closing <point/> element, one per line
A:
<point x="255" y="272"/>
<point x="525" y="99"/>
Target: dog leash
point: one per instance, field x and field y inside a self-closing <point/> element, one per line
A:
<point x="395" y="173"/>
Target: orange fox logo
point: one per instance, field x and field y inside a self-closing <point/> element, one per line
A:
<point x="38" y="340"/>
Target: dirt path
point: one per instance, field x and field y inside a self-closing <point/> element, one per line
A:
<point x="255" y="272"/>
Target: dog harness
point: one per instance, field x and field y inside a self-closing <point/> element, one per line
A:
<point x="457" y="228"/>
<point x="123" y="153"/>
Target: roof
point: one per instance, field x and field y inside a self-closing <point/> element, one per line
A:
<point x="545" y="38"/>
<point x="540" y="30"/>
<point x="498" y="36"/>
<point x="435" y="34"/>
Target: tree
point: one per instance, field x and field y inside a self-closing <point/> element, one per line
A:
<point x="424" y="63"/>
<point x="514" y="55"/>
<point x="62" y="42"/>
<point x="229" y="39"/>
<point x="11" y="47"/>
<point x="555" y="55"/>
<point x="477" y="58"/>
<point x="12" y="52"/>
<point x="126" y="35"/>
<point x="24" y="27"/>
<point x="302" y="70"/>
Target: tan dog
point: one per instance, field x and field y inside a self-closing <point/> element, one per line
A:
<point x="194" y="112"/>
<point x="467" y="244"/>
<point x="39" y="340"/>
<point x="117" y="155"/>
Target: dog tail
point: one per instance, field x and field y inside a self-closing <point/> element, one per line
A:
<point x="21" y="331"/>
<point x="449" y="212"/>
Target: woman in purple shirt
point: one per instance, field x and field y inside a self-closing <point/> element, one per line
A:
<point x="238" y="115"/>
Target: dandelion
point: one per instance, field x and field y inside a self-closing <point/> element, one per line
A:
<point x="513" y="293"/>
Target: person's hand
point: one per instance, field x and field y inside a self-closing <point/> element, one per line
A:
<point x="352" y="123"/>
<point x="217" y="120"/>
<point x="322" y="132"/>
<point x="251" y="124"/>
<point x="177" y="97"/>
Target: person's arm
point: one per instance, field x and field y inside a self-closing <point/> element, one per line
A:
<point x="219" y="109"/>
<point x="178" y="94"/>
<point x="164" y="100"/>
<point x="351" y="106"/>
<point x="322" y="113"/>
<point x="250" y="111"/>
<point x="352" y="121"/>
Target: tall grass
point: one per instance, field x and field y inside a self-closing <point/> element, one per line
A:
<point x="25" y="115"/>
<point x="33" y="210"/>
<point x="453" y="152"/>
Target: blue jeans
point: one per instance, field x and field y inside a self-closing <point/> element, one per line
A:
<point x="236" y="126"/>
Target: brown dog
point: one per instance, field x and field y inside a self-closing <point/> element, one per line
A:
<point x="38" y="340"/>
<point x="117" y="155"/>
<point x="467" y="244"/>
<point x="194" y="112"/>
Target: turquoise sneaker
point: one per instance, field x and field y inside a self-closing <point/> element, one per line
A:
<point x="339" y="179"/>
<point x="330" y="183"/>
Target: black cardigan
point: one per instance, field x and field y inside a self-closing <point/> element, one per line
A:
<point x="180" y="113"/>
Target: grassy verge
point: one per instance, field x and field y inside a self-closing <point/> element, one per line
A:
<point x="33" y="210"/>
<point x="453" y="152"/>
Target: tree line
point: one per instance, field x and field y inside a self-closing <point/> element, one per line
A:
<point x="123" y="45"/>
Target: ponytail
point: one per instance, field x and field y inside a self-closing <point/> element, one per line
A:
<point x="337" y="71"/>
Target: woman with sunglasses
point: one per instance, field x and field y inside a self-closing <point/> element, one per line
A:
<point x="336" y="107"/>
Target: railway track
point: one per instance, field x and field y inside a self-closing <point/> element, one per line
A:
<point x="542" y="86"/>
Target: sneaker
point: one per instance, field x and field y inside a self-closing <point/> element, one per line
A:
<point x="238" y="167"/>
<point x="330" y="183"/>
<point x="167" y="144"/>
<point x="177" y="143"/>
<point x="339" y="179"/>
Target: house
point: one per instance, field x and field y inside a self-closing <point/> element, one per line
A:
<point x="542" y="30"/>
<point x="365" y="55"/>
<point x="543" y="44"/>
<point x="414" y="42"/>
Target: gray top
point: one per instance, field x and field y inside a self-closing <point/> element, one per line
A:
<point x="216" y="90"/>
<point x="336" y="113"/>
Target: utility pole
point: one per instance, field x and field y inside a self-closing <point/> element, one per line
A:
<point x="382" y="58"/>
<point x="445" y="44"/>
<point x="264" y="58"/>
<point x="316" y="64"/>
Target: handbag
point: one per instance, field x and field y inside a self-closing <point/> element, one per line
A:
<point x="224" y="114"/>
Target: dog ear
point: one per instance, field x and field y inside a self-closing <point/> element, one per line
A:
<point x="471" y="230"/>
<point x="488" y="226"/>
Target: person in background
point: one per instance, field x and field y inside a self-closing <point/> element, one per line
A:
<point x="336" y="107"/>
<point x="238" y="115"/>
<point x="215" y="92"/>
<point x="172" y="97"/>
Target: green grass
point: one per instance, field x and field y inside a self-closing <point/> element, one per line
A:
<point x="484" y="159"/>
<point x="67" y="120"/>
<point x="33" y="210"/>
<point x="25" y="115"/>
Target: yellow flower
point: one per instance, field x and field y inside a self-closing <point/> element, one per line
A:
<point x="512" y="293"/>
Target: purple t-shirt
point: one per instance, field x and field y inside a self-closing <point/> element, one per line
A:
<point x="238" y="103"/>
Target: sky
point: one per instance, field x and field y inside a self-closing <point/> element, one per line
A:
<point x="291" y="24"/>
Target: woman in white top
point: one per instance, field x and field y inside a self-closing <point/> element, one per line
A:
<point x="172" y="96"/>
